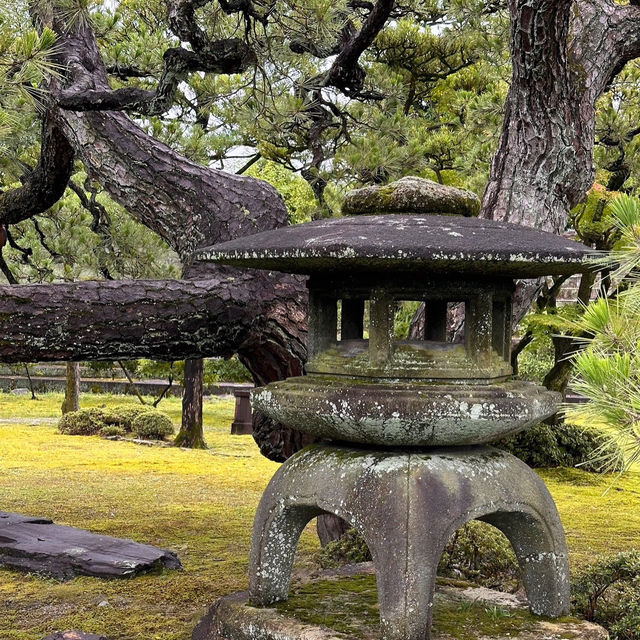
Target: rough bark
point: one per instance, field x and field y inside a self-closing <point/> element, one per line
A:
<point x="330" y="528"/>
<point x="191" y="434"/>
<point x="187" y="204"/>
<point x="45" y="185"/>
<point x="166" y="320"/>
<point x="71" y="400"/>
<point x="564" y="55"/>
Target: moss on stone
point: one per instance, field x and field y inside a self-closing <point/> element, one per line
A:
<point x="325" y="602"/>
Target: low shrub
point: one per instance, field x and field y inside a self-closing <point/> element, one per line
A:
<point x="350" y="548"/>
<point x="536" y="360"/>
<point x="152" y="425"/>
<point x="608" y="593"/>
<point x="143" y="421"/>
<point x="562" y="445"/>
<point x="86" y="422"/>
<point x="481" y="554"/>
<point x="112" y="430"/>
<point x="124" y="416"/>
<point x="477" y="552"/>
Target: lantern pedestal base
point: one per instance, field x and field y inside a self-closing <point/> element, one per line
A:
<point x="406" y="505"/>
<point x="347" y="610"/>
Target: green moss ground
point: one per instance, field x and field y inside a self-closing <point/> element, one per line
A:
<point x="197" y="503"/>
<point x="324" y="603"/>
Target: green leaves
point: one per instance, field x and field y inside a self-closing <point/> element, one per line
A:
<point x="607" y="371"/>
<point x="25" y="62"/>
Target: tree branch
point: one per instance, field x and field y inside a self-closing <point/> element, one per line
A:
<point x="345" y="72"/>
<point x="158" y="319"/>
<point x="227" y="56"/>
<point x="46" y="184"/>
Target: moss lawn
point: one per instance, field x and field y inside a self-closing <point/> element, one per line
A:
<point x="200" y="504"/>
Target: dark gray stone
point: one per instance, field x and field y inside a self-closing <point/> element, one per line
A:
<point x="406" y="243"/>
<point x="38" y="545"/>
<point x="414" y="414"/>
<point x="74" y="635"/>
<point x="406" y="505"/>
<point x="20" y="392"/>
<point x="242" y="424"/>
<point x="411" y="195"/>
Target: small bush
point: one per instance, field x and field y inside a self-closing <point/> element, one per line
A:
<point x="124" y="416"/>
<point x="477" y="552"/>
<point x="86" y="422"/>
<point x="112" y="430"/>
<point x="349" y="549"/>
<point x="562" y="445"/>
<point x="152" y="425"/>
<point x="143" y="421"/>
<point x="481" y="554"/>
<point x="608" y="593"/>
<point x="536" y="360"/>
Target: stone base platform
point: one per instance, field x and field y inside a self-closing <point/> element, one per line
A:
<point x="338" y="608"/>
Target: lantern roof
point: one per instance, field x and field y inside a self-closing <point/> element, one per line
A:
<point x="406" y="243"/>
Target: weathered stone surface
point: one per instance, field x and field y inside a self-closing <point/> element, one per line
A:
<point x="411" y="195"/>
<point x="39" y="545"/>
<point x="74" y="635"/>
<point x="20" y="392"/>
<point x="406" y="505"/>
<point x="459" y="614"/>
<point x="409" y="414"/>
<point x="413" y="243"/>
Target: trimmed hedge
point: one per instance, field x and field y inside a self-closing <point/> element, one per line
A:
<point x="152" y="425"/>
<point x="144" y="422"/>
<point x="562" y="445"/>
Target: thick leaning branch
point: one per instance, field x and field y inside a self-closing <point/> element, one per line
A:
<point x="46" y="184"/>
<point x="187" y="204"/>
<point x="167" y="320"/>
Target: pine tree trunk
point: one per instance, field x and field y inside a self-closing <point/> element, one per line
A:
<point x="191" y="434"/>
<point x="330" y="528"/>
<point x="564" y="55"/>
<point x="72" y="390"/>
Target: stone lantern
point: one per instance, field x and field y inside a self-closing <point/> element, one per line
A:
<point x="404" y="422"/>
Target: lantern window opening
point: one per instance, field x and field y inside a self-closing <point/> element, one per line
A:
<point x="352" y="319"/>
<point x="434" y="320"/>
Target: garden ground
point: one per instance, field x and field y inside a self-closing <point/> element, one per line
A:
<point x="199" y="504"/>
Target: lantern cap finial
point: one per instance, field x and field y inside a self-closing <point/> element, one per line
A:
<point x="411" y="195"/>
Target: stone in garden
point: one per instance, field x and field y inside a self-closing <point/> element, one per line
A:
<point x="38" y="545"/>
<point x="411" y="195"/>
<point x="242" y="422"/>
<point x="366" y="383"/>
<point x="472" y="614"/>
<point x="20" y="392"/>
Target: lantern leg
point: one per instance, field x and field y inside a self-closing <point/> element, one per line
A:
<point x="406" y="506"/>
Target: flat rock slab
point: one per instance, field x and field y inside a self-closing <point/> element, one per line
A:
<point x="73" y="635"/>
<point x="342" y="608"/>
<point x="38" y="545"/>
